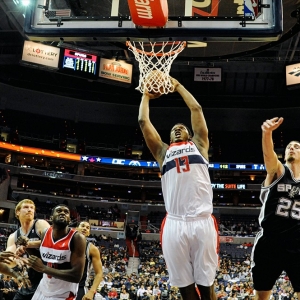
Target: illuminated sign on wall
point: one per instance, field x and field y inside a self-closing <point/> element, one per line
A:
<point x="231" y="166"/>
<point x="58" y="175"/>
<point x="40" y="54"/>
<point x="115" y="70"/>
<point x="292" y="74"/>
<point x="225" y="239"/>
<point x="39" y="151"/>
<point x="229" y="186"/>
<point x="208" y="74"/>
<point x="120" y="161"/>
<point x="79" y="63"/>
<point x="154" y="164"/>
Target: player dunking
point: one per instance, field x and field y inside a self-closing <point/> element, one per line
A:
<point x="189" y="235"/>
<point x="277" y="245"/>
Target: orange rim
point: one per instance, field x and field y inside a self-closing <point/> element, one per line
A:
<point x="170" y="53"/>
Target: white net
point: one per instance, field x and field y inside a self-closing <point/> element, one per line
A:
<point x="155" y="61"/>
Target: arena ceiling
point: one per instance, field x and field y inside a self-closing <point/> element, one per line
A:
<point x="253" y="73"/>
<point x="253" y="81"/>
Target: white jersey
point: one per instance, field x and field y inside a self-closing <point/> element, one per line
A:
<point x="56" y="255"/>
<point x="185" y="181"/>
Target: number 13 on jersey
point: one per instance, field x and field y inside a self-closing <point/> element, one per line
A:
<point x="182" y="164"/>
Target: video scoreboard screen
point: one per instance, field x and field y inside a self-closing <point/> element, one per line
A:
<point x="233" y="166"/>
<point x="78" y="63"/>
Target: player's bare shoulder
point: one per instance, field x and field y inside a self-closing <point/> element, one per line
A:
<point x="79" y="238"/>
<point x="162" y="153"/>
<point x="11" y="239"/>
<point x="202" y="145"/>
<point x="41" y="226"/>
<point x="274" y="174"/>
<point x="94" y="251"/>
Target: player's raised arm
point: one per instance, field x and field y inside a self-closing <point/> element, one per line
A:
<point x="198" y="122"/>
<point x="151" y="136"/>
<point x="274" y="167"/>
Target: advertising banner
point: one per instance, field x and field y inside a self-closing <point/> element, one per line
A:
<point x="40" y="54"/>
<point x="115" y="70"/>
<point x="208" y="74"/>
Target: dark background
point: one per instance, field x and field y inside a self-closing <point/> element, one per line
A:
<point x="252" y="89"/>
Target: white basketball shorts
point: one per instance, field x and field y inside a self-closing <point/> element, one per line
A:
<point x="38" y="295"/>
<point x="190" y="246"/>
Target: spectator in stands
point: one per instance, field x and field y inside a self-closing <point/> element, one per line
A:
<point x="234" y="278"/>
<point x="221" y="294"/>
<point x="156" y="292"/>
<point x="158" y="297"/>
<point x="92" y="259"/>
<point x="123" y="286"/>
<point x="104" y="291"/>
<point x="184" y="165"/>
<point x="221" y="227"/>
<point x="132" y="293"/>
<point x="145" y="296"/>
<point x="124" y="294"/>
<point x="9" y="287"/>
<point x="164" y="293"/>
<point x="27" y="239"/>
<point x="228" y="288"/>
<point x="234" y="296"/>
<point x="277" y="245"/>
<point x="140" y="291"/>
<point x="108" y="281"/>
<point x="247" y="260"/>
<point x="226" y="276"/>
<point x="235" y="287"/>
<point x="105" y="265"/>
<point x="8" y="290"/>
<point x="149" y="291"/>
<point x="113" y="294"/>
<point x="128" y="283"/>
<point x="274" y="294"/>
<point x="173" y="295"/>
<point x="248" y="288"/>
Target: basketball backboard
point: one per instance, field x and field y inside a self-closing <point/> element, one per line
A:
<point x="194" y="20"/>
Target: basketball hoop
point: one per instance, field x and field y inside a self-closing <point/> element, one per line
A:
<point x="155" y="60"/>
